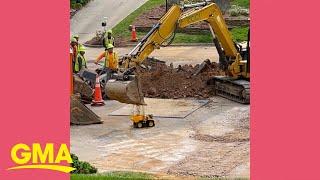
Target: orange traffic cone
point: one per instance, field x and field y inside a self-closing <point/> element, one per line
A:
<point x="134" y="34"/>
<point x="97" y="101"/>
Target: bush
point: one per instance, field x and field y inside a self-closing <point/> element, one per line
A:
<point x="236" y="10"/>
<point x="82" y="167"/>
<point x="83" y="2"/>
<point x="77" y="6"/>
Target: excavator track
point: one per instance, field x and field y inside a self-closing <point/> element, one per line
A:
<point x="235" y="90"/>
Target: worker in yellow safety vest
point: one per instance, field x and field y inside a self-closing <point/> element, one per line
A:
<point x="108" y="39"/>
<point x="76" y="37"/>
<point x="80" y="62"/>
<point x="74" y="47"/>
<point x="111" y="58"/>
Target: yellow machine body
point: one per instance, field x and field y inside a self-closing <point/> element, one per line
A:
<point x="162" y="32"/>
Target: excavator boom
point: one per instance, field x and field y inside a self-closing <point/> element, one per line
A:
<point x="128" y="90"/>
<point x="164" y="32"/>
<point x="213" y="16"/>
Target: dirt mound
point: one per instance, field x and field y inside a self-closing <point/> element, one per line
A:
<point x="97" y="41"/>
<point x="159" y="80"/>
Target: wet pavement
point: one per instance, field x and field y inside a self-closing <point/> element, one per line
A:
<point x="212" y="141"/>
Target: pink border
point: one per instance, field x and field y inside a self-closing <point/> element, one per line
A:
<point x="34" y="60"/>
<point x="285" y="90"/>
<point x="284" y="118"/>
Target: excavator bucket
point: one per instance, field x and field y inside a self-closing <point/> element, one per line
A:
<point x="128" y="92"/>
<point x="81" y="87"/>
<point x="80" y="114"/>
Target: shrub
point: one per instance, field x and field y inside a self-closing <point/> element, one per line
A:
<point x="82" y="167"/>
<point x="78" y="6"/>
<point x="236" y="10"/>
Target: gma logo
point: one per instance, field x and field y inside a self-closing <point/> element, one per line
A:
<point x="34" y="157"/>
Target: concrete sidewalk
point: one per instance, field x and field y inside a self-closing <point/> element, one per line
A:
<point x="88" y="20"/>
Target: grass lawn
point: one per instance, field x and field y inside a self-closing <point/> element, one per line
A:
<point x="130" y="176"/>
<point x="113" y="176"/>
<point x="193" y="38"/>
<point x="242" y="3"/>
<point x="121" y="29"/>
<point x="240" y="34"/>
<point x="186" y="38"/>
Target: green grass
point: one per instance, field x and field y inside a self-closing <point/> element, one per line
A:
<point x="193" y="38"/>
<point x="186" y="38"/>
<point x="121" y="29"/>
<point x="242" y="3"/>
<point x="223" y="178"/>
<point x="240" y="34"/>
<point x="113" y="176"/>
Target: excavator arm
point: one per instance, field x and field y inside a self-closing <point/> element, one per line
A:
<point x="164" y="32"/>
<point x="213" y="16"/>
<point x="156" y="37"/>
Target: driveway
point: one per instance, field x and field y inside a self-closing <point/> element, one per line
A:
<point x="88" y="20"/>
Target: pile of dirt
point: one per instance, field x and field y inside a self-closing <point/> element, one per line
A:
<point x="151" y="17"/>
<point x="97" y="42"/>
<point x="159" y="80"/>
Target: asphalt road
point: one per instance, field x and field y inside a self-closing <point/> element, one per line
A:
<point x="88" y="20"/>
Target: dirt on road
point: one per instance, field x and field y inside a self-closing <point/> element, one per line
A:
<point x="209" y="160"/>
<point x="159" y="80"/>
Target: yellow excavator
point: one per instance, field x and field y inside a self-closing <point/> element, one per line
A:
<point x="126" y="88"/>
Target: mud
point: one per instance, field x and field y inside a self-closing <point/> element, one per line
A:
<point x="159" y="80"/>
<point x="96" y="41"/>
<point x="239" y="134"/>
<point x="223" y="149"/>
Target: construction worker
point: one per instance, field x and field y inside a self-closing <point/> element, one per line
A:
<point x="111" y="58"/>
<point x="74" y="48"/>
<point x="80" y="62"/>
<point x="108" y="39"/>
<point x="76" y="37"/>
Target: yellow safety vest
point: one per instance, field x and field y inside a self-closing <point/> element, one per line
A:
<point x="78" y="47"/>
<point x="77" y="67"/>
<point x="112" y="62"/>
<point x="108" y="41"/>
